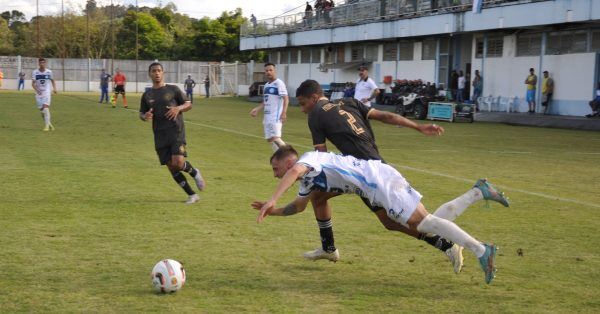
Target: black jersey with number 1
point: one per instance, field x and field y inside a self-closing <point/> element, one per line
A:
<point x="346" y="125"/>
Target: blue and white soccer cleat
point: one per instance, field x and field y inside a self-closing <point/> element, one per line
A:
<point x="490" y="192"/>
<point x="488" y="262"/>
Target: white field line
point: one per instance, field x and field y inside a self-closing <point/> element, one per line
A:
<point x="438" y="174"/>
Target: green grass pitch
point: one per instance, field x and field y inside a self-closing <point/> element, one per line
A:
<point x="86" y="211"/>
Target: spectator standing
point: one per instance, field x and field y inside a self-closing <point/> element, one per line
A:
<point x="349" y="90"/>
<point x="308" y="13"/>
<point x="21" y="85"/>
<point x="104" y="78"/>
<point x="119" y="81"/>
<point x="189" y="85"/>
<point x="253" y="21"/>
<point x="319" y="6"/>
<point x="531" y="82"/>
<point x="477" y="88"/>
<point x="547" y="91"/>
<point x="453" y="84"/>
<point x="595" y="104"/>
<point x="207" y="86"/>
<point x="1" y="78"/>
<point x="461" y="87"/>
<point x="366" y="89"/>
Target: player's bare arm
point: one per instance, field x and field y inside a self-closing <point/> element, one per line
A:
<point x="175" y="110"/>
<point x="256" y="109"/>
<point x="321" y="147"/>
<point x="286" y="102"/>
<point x="392" y="118"/>
<point x="148" y="115"/>
<point x="54" y="86"/>
<point x="298" y="205"/>
<point x="286" y="182"/>
<point x="35" y="87"/>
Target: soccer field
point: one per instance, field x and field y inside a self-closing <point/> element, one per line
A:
<point x="86" y="211"/>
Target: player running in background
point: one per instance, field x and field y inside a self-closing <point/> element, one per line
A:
<point x="382" y="185"/>
<point x="39" y="81"/>
<point x="164" y="105"/>
<point x="347" y="127"/>
<point x="189" y="85"/>
<point x="119" y="81"/>
<point x="275" y="103"/>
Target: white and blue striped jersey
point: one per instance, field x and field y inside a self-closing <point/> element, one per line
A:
<point x="383" y="185"/>
<point x="273" y="94"/>
<point x="42" y="81"/>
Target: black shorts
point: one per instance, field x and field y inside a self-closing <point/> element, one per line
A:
<point x="120" y="89"/>
<point x="169" y="143"/>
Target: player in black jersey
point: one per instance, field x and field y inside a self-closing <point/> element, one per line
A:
<point x="164" y="105"/>
<point x="347" y="126"/>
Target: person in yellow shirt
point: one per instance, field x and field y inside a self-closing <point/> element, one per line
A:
<point x="1" y="78"/>
<point x="547" y="91"/>
<point x="531" y="82"/>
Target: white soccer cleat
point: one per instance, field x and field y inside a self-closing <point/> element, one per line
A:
<point x="51" y="127"/>
<point x="194" y="198"/>
<point x="320" y="254"/>
<point x="456" y="257"/>
<point x="199" y="180"/>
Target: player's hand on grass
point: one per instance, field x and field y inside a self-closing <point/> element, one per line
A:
<point x="265" y="210"/>
<point x="149" y="115"/>
<point x="173" y="112"/>
<point x="257" y="205"/>
<point x="431" y="129"/>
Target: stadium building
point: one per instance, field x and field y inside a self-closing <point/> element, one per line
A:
<point x="427" y="39"/>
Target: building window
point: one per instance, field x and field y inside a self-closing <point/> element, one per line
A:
<point x="285" y="57"/>
<point x="357" y="53"/>
<point x="315" y="55"/>
<point x="428" y="52"/>
<point x="305" y="55"/>
<point x="494" y="46"/>
<point x="596" y="40"/>
<point x="479" y="48"/>
<point x="272" y="56"/>
<point x="407" y="50"/>
<point x="330" y="54"/>
<point x="390" y="50"/>
<point x="566" y="42"/>
<point x="371" y="51"/>
<point x="529" y="44"/>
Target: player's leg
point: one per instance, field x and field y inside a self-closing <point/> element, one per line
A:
<point x="195" y="174"/>
<point x="323" y="211"/>
<point x="273" y="135"/>
<point x="481" y="190"/>
<point x="43" y="103"/>
<point x="422" y="221"/>
<point x="124" y="98"/>
<point x="175" y="160"/>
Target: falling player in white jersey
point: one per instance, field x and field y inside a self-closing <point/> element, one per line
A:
<point x="275" y="103"/>
<point x="380" y="183"/>
<point x="39" y="81"/>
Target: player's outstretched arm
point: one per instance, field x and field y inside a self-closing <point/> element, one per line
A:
<point x="286" y="182"/>
<point x="298" y="205"/>
<point x="395" y="119"/>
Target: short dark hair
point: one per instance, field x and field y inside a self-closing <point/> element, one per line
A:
<point x="41" y="59"/>
<point x="531" y="69"/>
<point x="270" y="63"/>
<point x="545" y="71"/>
<point x="309" y="87"/>
<point x="283" y="152"/>
<point x="363" y="67"/>
<point x="153" y="64"/>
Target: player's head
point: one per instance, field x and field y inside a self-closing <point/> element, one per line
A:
<point x="118" y="71"/>
<point x="308" y="94"/>
<point x="270" y="73"/>
<point x="283" y="159"/>
<point x="42" y="63"/>
<point x="363" y="72"/>
<point x="155" y="71"/>
<point x="103" y="70"/>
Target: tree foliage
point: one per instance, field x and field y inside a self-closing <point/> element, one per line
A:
<point x="97" y="31"/>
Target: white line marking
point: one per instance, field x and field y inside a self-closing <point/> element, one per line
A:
<point x="550" y="197"/>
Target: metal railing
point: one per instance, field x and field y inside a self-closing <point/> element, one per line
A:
<point x="364" y="11"/>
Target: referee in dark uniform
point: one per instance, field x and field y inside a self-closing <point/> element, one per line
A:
<point x="164" y="105"/>
<point x="347" y="127"/>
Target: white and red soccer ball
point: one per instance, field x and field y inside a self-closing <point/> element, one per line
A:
<point x="168" y="276"/>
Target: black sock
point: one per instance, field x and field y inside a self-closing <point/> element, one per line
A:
<point x="437" y="241"/>
<point x="326" y="231"/>
<point x="180" y="179"/>
<point x="187" y="167"/>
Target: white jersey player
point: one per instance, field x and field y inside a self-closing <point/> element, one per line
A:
<point x="41" y="79"/>
<point x="275" y="103"/>
<point x="379" y="183"/>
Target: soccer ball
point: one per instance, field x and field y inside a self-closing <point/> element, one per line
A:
<point x="168" y="276"/>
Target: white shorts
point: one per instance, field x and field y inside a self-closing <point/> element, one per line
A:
<point x="41" y="100"/>
<point x="395" y="194"/>
<point x="272" y="129"/>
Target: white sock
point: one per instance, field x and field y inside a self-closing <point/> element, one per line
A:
<point x="450" y="231"/>
<point x="457" y="206"/>
<point x="46" y="114"/>
<point x="274" y="146"/>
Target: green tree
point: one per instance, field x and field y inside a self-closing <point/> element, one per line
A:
<point x="153" y="40"/>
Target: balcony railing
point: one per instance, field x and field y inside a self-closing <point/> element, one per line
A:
<point x="354" y="12"/>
